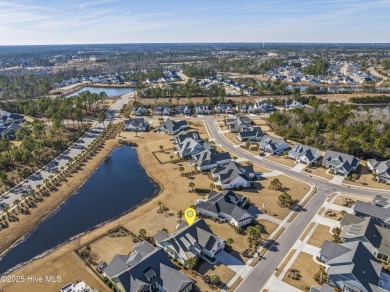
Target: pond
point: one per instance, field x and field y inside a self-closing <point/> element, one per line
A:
<point x="118" y="185"/>
<point x="110" y="91"/>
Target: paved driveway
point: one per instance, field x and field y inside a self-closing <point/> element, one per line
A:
<point x="230" y="261"/>
<point x="337" y="179"/>
<point x="299" y="167"/>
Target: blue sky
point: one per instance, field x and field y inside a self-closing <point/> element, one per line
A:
<point x="155" y="21"/>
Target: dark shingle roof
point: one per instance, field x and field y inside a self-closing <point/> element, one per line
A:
<point x="368" y="209"/>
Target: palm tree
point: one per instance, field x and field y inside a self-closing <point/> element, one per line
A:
<point x="161" y="148"/>
<point x="181" y="169"/>
<point x="180" y="215"/>
<point x="102" y="117"/>
<point x="142" y="233"/>
<point x="160" y="205"/>
<point x="191" y="185"/>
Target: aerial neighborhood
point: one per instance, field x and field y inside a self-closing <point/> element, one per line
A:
<point x="195" y="167"/>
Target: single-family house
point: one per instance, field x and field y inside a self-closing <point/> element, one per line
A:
<point x="246" y="108"/>
<point x="162" y="110"/>
<point x="231" y="176"/>
<point x="79" y="286"/>
<point x="203" y="109"/>
<point x="273" y="145"/>
<point x="376" y="238"/>
<point x="251" y="134"/>
<point x="10" y="131"/>
<point x="224" y="108"/>
<point x="183" y="109"/>
<point x="136" y="125"/>
<point x="379" y="209"/>
<point x="264" y="107"/>
<point x="304" y="154"/>
<point x="190" y="241"/>
<point x="380" y="168"/>
<point x="191" y="147"/>
<point x="238" y="123"/>
<point x="7" y="118"/>
<point x="208" y="159"/>
<point x="140" y="111"/>
<point x="293" y="104"/>
<point x="146" y="268"/>
<point x="351" y="266"/>
<point x="172" y="127"/>
<point x="340" y="163"/>
<point x="226" y="206"/>
<point x="181" y="136"/>
<point x="324" y="288"/>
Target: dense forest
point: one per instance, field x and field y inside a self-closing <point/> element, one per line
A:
<point x="336" y="126"/>
<point x="386" y="64"/>
<point x="318" y="67"/>
<point x="370" y="99"/>
<point x="198" y="72"/>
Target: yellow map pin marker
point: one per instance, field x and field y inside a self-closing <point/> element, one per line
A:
<point x="190" y="215"/>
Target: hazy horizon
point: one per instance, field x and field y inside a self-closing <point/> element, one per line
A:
<point x="53" y="22"/>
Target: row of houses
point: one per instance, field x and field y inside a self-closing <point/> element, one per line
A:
<point x="353" y="264"/>
<point x="205" y="109"/>
<point x="107" y="79"/>
<point x="235" y="85"/>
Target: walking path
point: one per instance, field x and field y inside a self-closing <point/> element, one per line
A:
<point x="38" y="177"/>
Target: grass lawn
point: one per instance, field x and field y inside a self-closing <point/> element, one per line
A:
<point x="268" y="226"/>
<point x="106" y="248"/>
<point x="338" y="216"/>
<point x="204" y="268"/>
<point x="66" y="264"/>
<point x="365" y="179"/>
<point x="285" y="261"/>
<point x="232" y="138"/>
<point x="340" y="200"/>
<point x="307" y="269"/>
<point x="282" y="160"/>
<point x="165" y="155"/>
<point x="321" y="233"/>
<point x="319" y="171"/>
<point x="268" y="196"/>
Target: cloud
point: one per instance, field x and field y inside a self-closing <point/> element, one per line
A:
<point x="95" y="3"/>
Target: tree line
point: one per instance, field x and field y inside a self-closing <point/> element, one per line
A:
<point x="335" y="126"/>
<point x="370" y="99"/>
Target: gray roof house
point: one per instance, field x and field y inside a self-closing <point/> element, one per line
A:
<point x="183" y="109"/>
<point x="272" y="145"/>
<point x="351" y="266"/>
<point x="137" y="124"/>
<point x="189" y="241"/>
<point x="304" y="154"/>
<point x="207" y="159"/>
<point x="224" y="108"/>
<point x="203" y="109"/>
<point x="375" y="210"/>
<point x="238" y="123"/>
<point x="225" y="206"/>
<point x="7" y="118"/>
<point x="181" y="136"/>
<point x="146" y="269"/>
<point x="293" y="104"/>
<point x="231" y="176"/>
<point x="191" y="147"/>
<point x="246" y="108"/>
<point x="10" y="131"/>
<point x="375" y="237"/>
<point x="172" y="127"/>
<point x="264" y="107"/>
<point x="340" y="163"/>
<point x="324" y="288"/>
<point x="140" y="111"/>
<point x="251" y="134"/>
<point x="380" y="168"/>
<point x="162" y="110"/>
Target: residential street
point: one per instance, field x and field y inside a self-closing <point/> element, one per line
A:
<point x="260" y="274"/>
<point x="37" y="178"/>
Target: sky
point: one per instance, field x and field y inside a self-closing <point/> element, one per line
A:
<point x="35" y="22"/>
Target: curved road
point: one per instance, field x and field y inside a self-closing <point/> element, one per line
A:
<point x="261" y="273"/>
